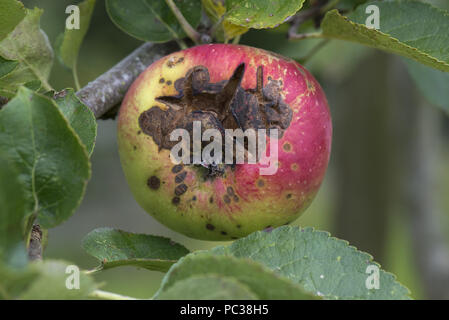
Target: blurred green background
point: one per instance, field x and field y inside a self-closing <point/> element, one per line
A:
<point x="378" y="131"/>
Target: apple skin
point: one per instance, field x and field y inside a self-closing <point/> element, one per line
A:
<point x="257" y="201"/>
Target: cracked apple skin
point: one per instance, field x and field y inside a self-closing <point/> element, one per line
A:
<point x="239" y="201"/>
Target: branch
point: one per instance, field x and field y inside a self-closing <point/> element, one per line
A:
<point x="35" y="245"/>
<point x="108" y="90"/>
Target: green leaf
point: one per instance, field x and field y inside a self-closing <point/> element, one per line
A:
<point x="208" y="287"/>
<point x="11" y="13"/>
<point x="323" y="265"/>
<point x="79" y="116"/>
<point x="12" y="214"/>
<point x="433" y="84"/>
<point x="260" y="14"/>
<point x="51" y="160"/>
<point x="215" y="9"/>
<point x="262" y="282"/>
<point x="50" y="284"/>
<point x="69" y="43"/>
<point x="28" y="45"/>
<point x="7" y="66"/>
<point x="152" y="20"/>
<point x="401" y="31"/>
<point x="114" y="248"/>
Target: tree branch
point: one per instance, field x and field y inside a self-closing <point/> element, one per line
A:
<point x="108" y="90"/>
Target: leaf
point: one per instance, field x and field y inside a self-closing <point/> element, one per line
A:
<point x="208" y="287"/>
<point x="321" y="264"/>
<point x="12" y="214"/>
<point x="433" y="84"/>
<point x="114" y="248"/>
<point x="401" y="30"/>
<point x="261" y="281"/>
<point x="50" y="284"/>
<point x="51" y="160"/>
<point x="69" y="43"/>
<point x="215" y="9"/>
<point x="79" y="116"/>
<point x="11" y="13"/>
<point x="260" y="14"/>
<point x="28" y="45"/>
<point x="152" y="20"/>
<point x="7" y="66"/>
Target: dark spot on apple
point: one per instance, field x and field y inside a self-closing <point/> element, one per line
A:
<point x="226" y="199"/>
<point x="161" y="80"/>
<point x="173" y="61"/>
<point x="239" y="226"/>
<point x="287" y="146"/>
<point x="220" y="105"/>
<point x="260" y="183"/>
<point x="194" y="198"/>
<point x="181" y="189"/>
<point x="224" y="233"/>
<point x="176" y="200"/>
<point x="180" y="177"/>
<point x="236" y="199"/>
<point x="169" y="82"/>
<point x="139" y="132"/>
<point x="134" y="147"/>
<point x="177" y="168"/>
<point x="230" y="191"/>
<point x="210" y="227"/>
<point x="154" y="182"/>
<point x="234" y="238"/>
<point x="211" y="200"/>
<point x="289" y="196"/>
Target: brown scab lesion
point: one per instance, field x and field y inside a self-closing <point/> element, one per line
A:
<point x="169" y="83"/>
<point x="173" y="61"/>
<point x="181" y="189"/>
<point x="220" y="105"/>
<point x="226" y="199"/>
<point x="177" y="168"/>
<point x="287" y="147"/>
<point x="210" y="227"/>
<point x="161" y="80"/>
<point x="176" y="200"/>
<point x="180" y="177"/>
<point x="154" y="182"/>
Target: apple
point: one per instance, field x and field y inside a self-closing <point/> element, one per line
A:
<point x="223" y="88"/>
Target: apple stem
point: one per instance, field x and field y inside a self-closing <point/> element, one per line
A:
<point x="188" y="29"/>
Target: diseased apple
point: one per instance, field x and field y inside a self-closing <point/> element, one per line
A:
<point x="224" y="87"/>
